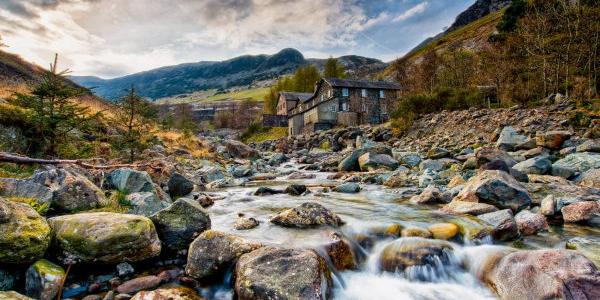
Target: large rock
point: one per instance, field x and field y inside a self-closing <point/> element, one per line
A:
<point x="530" y="223"/>
<point x="214" y="252"/>
<point x="413" y="251"/>
<point x="178" y="224"/>
<point x="271" y="273"/>
<point x="179" y="186"/>
<point x="24" y="234"/>
<point x="589" y="146"/>
<point x="545" y="274"/>
<point x="410" y="159"/>
<point x="430" y="195"/>
<point x="348" y="188"/>
<point x="485" y="155"/>
<point x="306" y="215"/>
<point x="371" y="161"/>
<point x="43" y="280"/>
<point x="497" y="188"/>
<point x="471" y="208"/>
<point x="590" y="178"/>
<point x="108" y="238"/>
<point x="26" y="188"/>
<point x="589" y="248"/>
<point x="509" y="138"/>
<point x="145" y="203"/>
<point x="129" y="181"/>
<point x="552" y="139"/>
<point x="350" y="162"/>
<point x="71" y="192"/>
<point x="168" y="293"/>
<point x="539" y="165"/>
<point x="341" y="253"/>
<point x="580" y="211"/>
<point x="576" y="163"/>
<point x="8" y="279"/>
<point x="240" y="150"/>
<point x="503" y="222"/>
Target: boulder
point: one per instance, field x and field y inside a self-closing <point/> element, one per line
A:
<point x="587" y="247"/>
<point x="548" y="206"/>
<point x="8" y="279"/>
<point x="144" y="203"/>
<point x="211" y="174"/>
<point x="430" y="195"/>
<point x="413" y="251"/>
<point x="180" y="223"/>
<point x="241" y="171"/>
<point x="271" y="273"/>
<point x="347" y="188"/>
<point x="509" y="139"/>
<point x="26" y="188"/>
<point x="504" y="226"/>
<point x="350" y="162"/>
<point x="168" y="293"/>
<point x="179" y="186"/>
<point x="497" y="188"/>
<point x="341" y="254"/>
<point x="472" y="228"/>
<point x="471" y="208"/>
<point x="296" y="189"/>
<point x="43" y="280"/>
<point x="530" y="223"/>
<point x="263" y="191"/>
<point x="413" y="231"/>
<point x="410" y="159"/>
<point x="24" y="234"/>
<point x="213" y="252"/>
<point x="238" y="149"/>
<point x="243" y="223"/>
<point x="552" y="139"/>
<point x="580" y="211"/>
<point x="590" y="178"/>
<point x="309" y="214"/>
<point x="539" y="165"/>
<point x="129" y="181"/>
<point x="438" y="152"/>
<point x="545" y="274"/>
<point x="589" y="146"/>
<point x="277" y="159"/>
<point x="102" y="237"/>
<point x="71" y="192"/>
<point x="485" y="155"/>
<point x="576" y="163"/>
<point x="443" y="231"/>
<point x="372" y="161"/>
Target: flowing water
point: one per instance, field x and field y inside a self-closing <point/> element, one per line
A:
<point x="454" y="277"/>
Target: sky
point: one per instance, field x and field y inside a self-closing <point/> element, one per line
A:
<point x="112" y="38"/>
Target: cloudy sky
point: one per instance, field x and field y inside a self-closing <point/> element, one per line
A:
<point x="110" y="38"/>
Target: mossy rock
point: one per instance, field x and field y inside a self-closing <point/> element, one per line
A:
<point x="104" y="237"/>
<point x="471" y="228"/>
<point x="43" y="280"/>
<point x="24" y="234"/>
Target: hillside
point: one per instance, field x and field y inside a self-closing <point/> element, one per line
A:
<point x="241" y="71"/>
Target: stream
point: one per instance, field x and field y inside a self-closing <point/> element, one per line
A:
<point x="375" y="206"/>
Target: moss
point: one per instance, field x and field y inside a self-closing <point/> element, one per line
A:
<point x="25" y="237"/>
<point x="40" y="208"/>
<point x="10" y="170"/>
<point x="117" y="203"/>
<point x="45" y="267"/>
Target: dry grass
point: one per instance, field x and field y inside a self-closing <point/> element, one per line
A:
<point x="176" y="140"/>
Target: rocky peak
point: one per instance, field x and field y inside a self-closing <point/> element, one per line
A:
<point x="479" y="9"/>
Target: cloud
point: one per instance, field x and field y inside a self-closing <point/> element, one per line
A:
<point x="415" y="10"/>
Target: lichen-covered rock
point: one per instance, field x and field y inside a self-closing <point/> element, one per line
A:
<point x="412" y="251"/>
<point x="24" y="234"/>
<point x="371" y="161"/>
<point x="180" y="223"/>
<point x="504" y="225"/>
<point x="580" y="211"/>
<point x="145" y="203"/>
<point x="130" y="181"/>
<point x="539" y="165"/>
<point x="271" y="273"/>
<point x="497" y="188"/>
<point x="530" y="223"/>
<point x="168" y="293"/>
<point x="576" y="163"/>
<point x="589" y="248"/>
<point x="545" y="274"/>
<point x="213" y="252"/>
<point x="43" y="280"/>
<point x="308" y="214"/>
<point x="471" y="208"/>
<point x="71" y="192"/>
<point x="179" y="186"/>
<point x="101" y="237"/>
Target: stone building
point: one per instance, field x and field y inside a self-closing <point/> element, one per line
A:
<point x="341" y="102"/>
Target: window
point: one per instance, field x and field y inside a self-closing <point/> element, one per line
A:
<point x="344" y="106"/>
<point x="329" y="93"/>
<point x="363" y="93"/>
<point x="332" y="108"/>
<point x="381" y="94"/>
<point x="345" y="92"/>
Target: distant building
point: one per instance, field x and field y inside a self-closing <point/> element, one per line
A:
<point x="338" y="102"/>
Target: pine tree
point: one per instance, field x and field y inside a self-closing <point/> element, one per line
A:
<point x="54" y="109"/>
<point x="333" y="69"/>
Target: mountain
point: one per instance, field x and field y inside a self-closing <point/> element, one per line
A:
<point x="478" y="10"/>
<point x="240" y="71"/>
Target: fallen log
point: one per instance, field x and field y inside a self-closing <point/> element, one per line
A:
<point x="24" y="160"/>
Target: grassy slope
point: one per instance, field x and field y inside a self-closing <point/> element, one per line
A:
<point x="256" y="94"/>
<point x="274" y="133"/>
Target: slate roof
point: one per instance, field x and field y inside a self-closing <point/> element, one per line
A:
<point x="362" y="84"/>
<point x="296" y="96"/>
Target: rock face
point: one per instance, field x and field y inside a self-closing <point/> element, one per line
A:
<point x="178" y="224"/>
<point x="214" y="252"/>
<point x="412" y="251"/>
<point x="530" y="223"/>
<point x="271" y="273"/>
<point x="24" y="234"/>
<point x="306" y="215"/>
<point x="580" y="211"/>
<point x="371" y="161"/>
<point x="130" y="181"/>
<point x="145" y="203"/>
<point x="505" y="227"/>
<point x="545" y="274"/>
<point x="104" y="238"/>
<point x="71" y="192"/>
<point x="43" y="279"/>
<point x="497" y="188"/>
<point x="539" y="165"/>
<point x="179" y="186"/>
